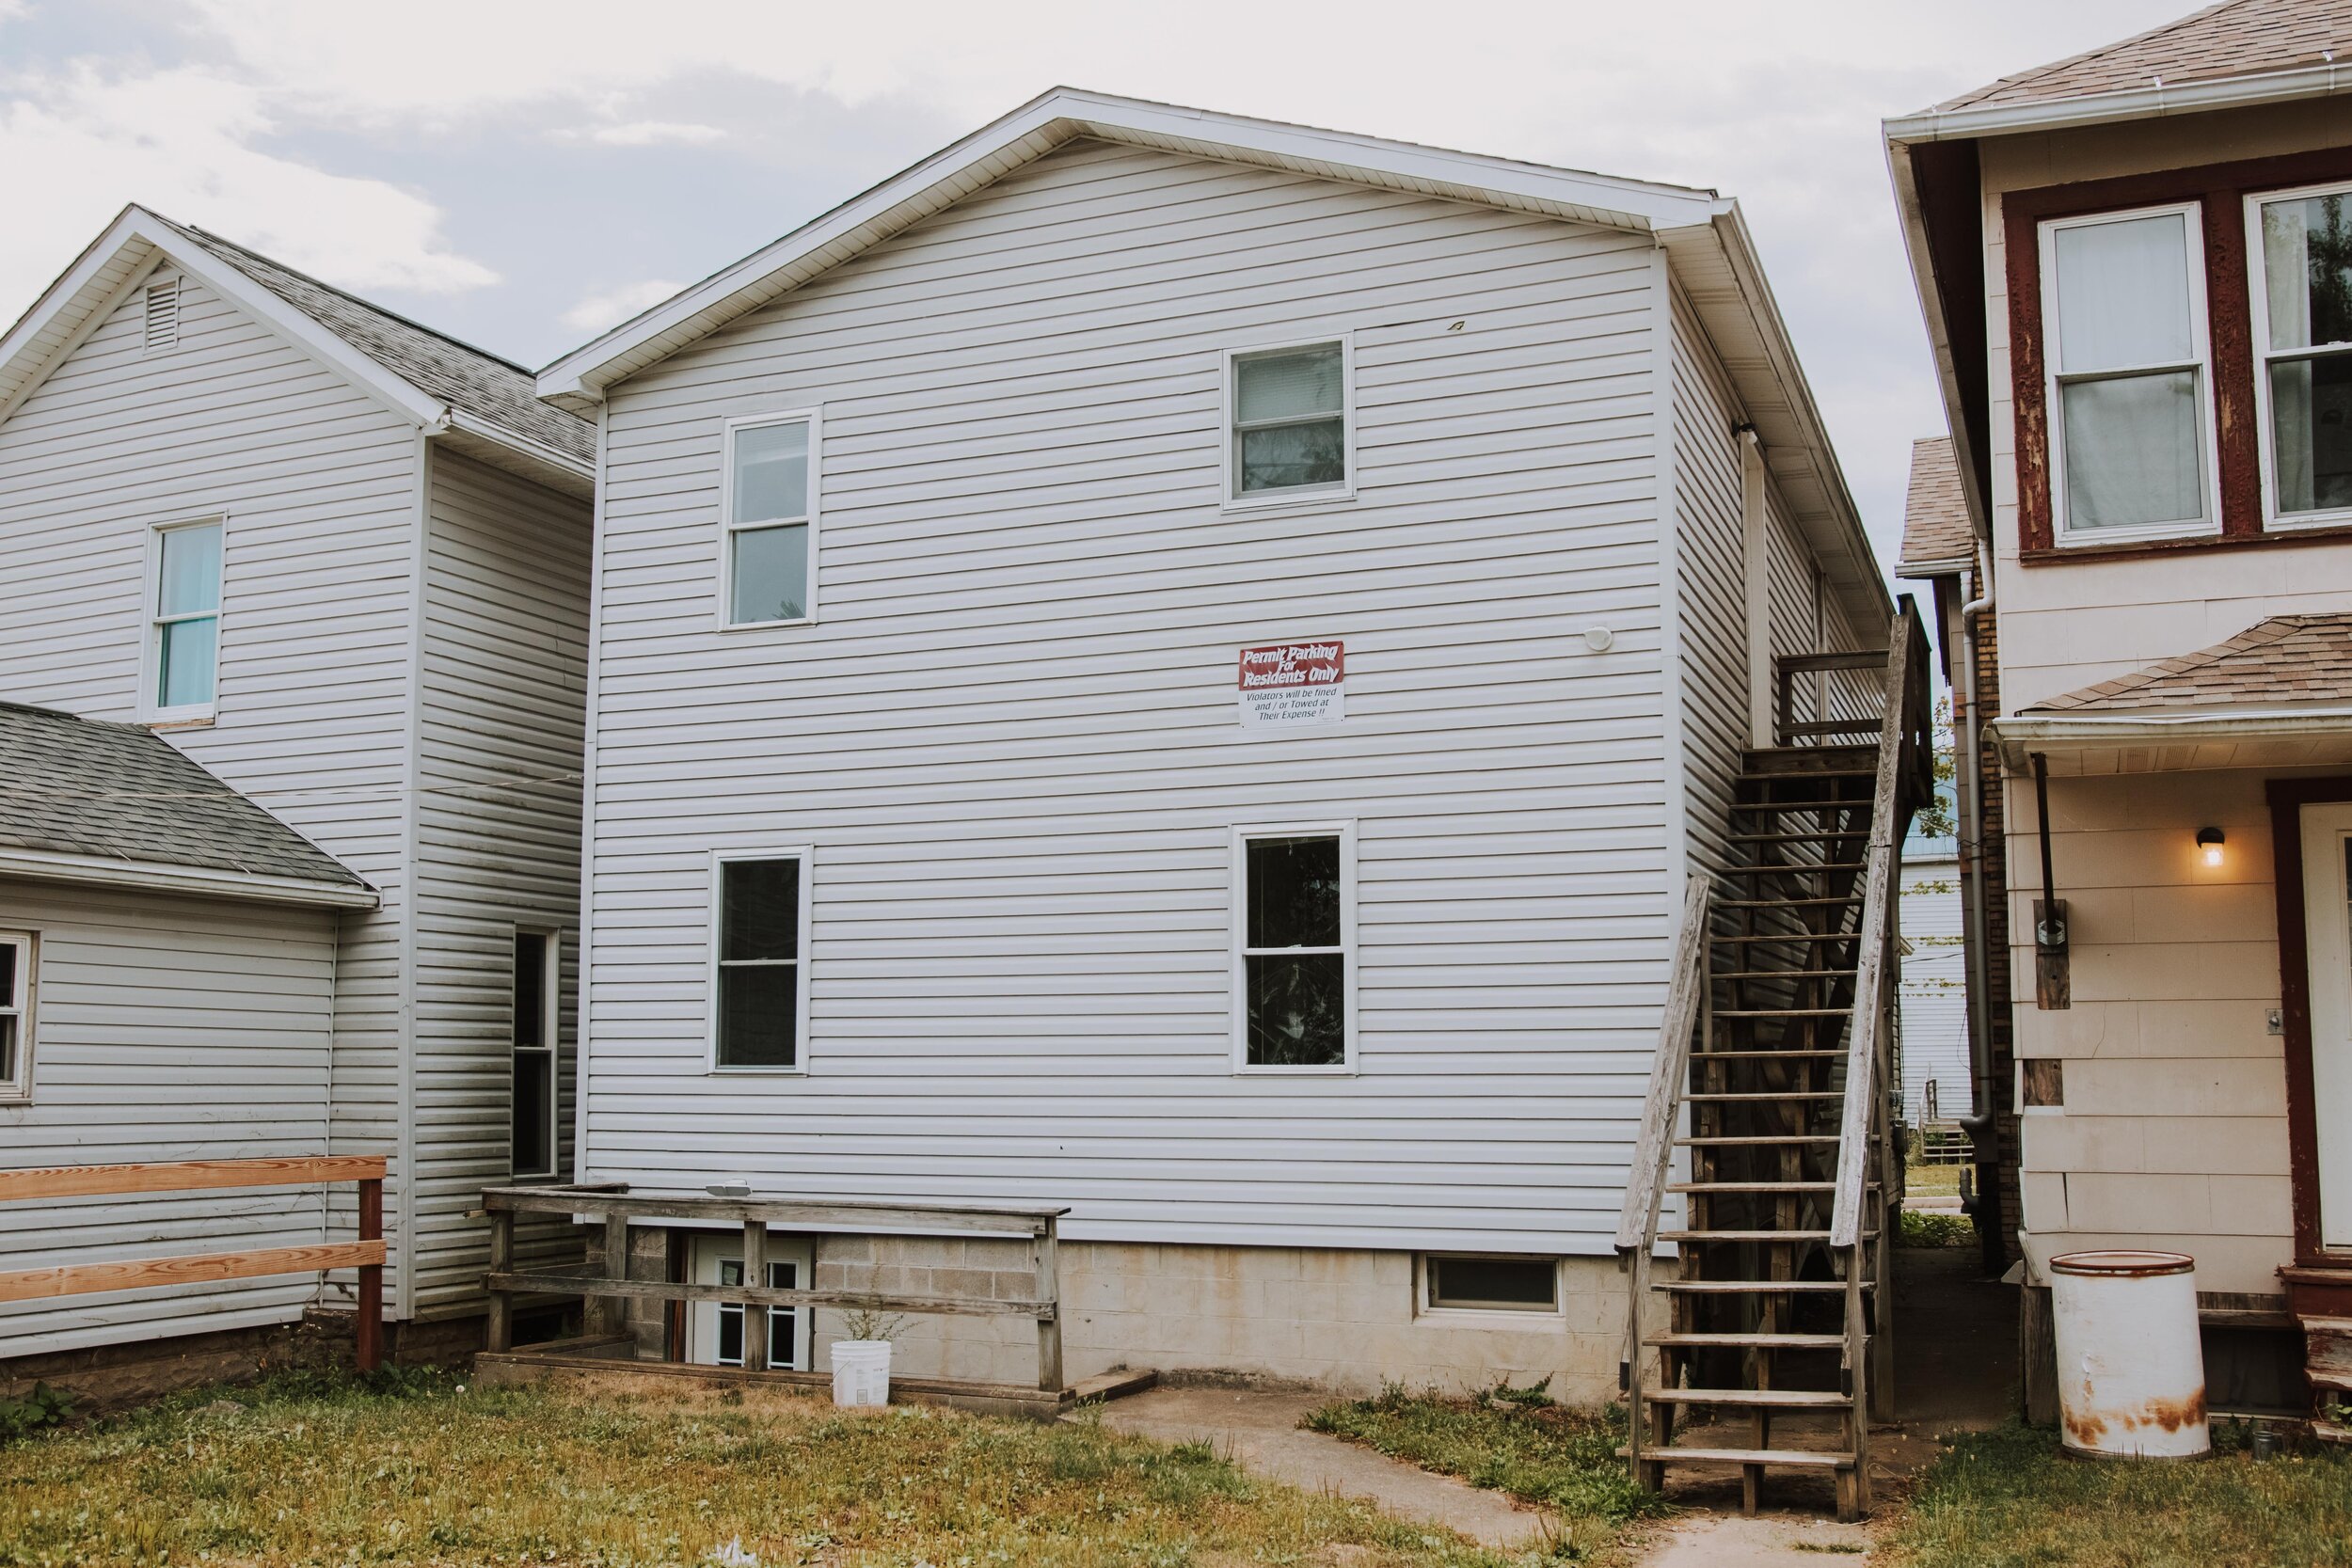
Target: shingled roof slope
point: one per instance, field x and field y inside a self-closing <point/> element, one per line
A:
<point x="468" y="379"/>
<point x="2286" y="660"/>
<point x="83" y="786"/>
<point x="1936" y="530"/>
<point x="2237" y="37"/>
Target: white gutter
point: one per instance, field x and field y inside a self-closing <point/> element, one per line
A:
<point x="2151" y="101"/>
<point x="202" y="882"/>
<point x="2019" y="732"/>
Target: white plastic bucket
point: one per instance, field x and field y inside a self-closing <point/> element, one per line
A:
<point x="861" y="1371"/>
<point x="2131" y="1367"/>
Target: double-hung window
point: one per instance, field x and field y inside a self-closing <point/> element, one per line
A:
<point x="184" y="613"/>
<point x="536" y="965"/>
<point x="768" y="520"/>
<point x="759" y="985"/>
<point x="1290" y="409"/>
<point x="2128" y="393"/>
<point x="16" y="1016"/>
<point x="1295" y="941"/>
<point x="2303" y="350"/>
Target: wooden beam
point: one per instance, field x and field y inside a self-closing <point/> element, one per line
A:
<point x="842" y="1215"/>
<point x="187" y="1176"/>
<point x="74" y="1279"/>
<point x="556" y="1282"/>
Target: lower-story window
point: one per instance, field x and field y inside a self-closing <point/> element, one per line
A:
<point x="759" y="987"/>
<point x="1295" y="939"/>
<point x="16" y="1015"/>
<point x="535" y="1054"/>
<point x="1490" y="1283"/>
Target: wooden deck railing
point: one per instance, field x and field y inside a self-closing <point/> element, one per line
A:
<point x="366" y="1254"/>
<point x="617" y="1206"/>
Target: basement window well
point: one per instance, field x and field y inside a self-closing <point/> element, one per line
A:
<point x="1477" y="1282"/>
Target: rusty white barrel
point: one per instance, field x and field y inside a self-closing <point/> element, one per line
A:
<point x="2131" y="1369"/>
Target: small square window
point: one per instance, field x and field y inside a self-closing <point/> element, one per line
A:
<point x="1482" y="1283"/>
<point x="759" y="1006"/>
<point x="1289" y="412"/>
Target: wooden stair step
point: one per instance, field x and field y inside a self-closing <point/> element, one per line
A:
<point x="1804" y="1053"/>
<point x="1751" y="1186"/>
<point x="1808" y="835"/>
<point x="1783" y="776"/>
<point x="1759" y="1399"/>
<point x="1761" y="1096"/>
<point x="1756" y="1140"/>
<point x="1754" y="1287"/>
<point x="1800" y="1458"/>
<point x="1849" y="802"/>
<point x="1781" y="1012"/>
<point x="1798" y="868"/>
<point x="1756" y="1340"/>
<point x="1787" y="975"/>
<point x="1785" y="904"/>
<point x="1791" y="937"/>
<point x="1752" y="1235"/>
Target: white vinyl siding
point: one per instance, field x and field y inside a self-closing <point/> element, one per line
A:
<point x="133" y="988"/>
<point x="1711" y="561"/>
<point x="1012" y="740"/>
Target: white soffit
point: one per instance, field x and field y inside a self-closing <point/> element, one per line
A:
<point x="2097" y="745"/>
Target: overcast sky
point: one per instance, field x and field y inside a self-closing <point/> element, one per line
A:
<point x="525" y="173"/>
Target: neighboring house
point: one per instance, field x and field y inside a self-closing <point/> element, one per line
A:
<point x="952" y="838"/>
<point x="2135" y="267"/>
<point x="341" y="562"/>
<point x="1937" y="1084"/>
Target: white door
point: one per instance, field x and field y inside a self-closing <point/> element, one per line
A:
<point x="2327" y="925"/>
<point x="714" y="1330"/>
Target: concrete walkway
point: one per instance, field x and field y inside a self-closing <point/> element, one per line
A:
<point x="1261" y="1433"/>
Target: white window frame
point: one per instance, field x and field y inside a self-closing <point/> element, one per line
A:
<point x="2200" y="339"/>
<point x="720" y="860"/>
<point x="1229" y="472"/>
<point x="729" y="528"/>
<point x="2258" y="319"/>
<point x="1239" y="951"/>
<point x="550" y="1034"/>
<point x="152" y="621"/>
<point x="17" y="1090"/>
<point x="1425" y="1305"/>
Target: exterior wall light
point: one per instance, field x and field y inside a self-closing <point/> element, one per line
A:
<point x="2209" y="844"/>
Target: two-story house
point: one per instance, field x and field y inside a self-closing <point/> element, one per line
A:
<point x="339" y="562"/>
<point x="2137" y="269"/>
<point x="1176" y="666"/>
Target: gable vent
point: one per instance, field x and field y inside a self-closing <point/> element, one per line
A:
<point x="163" y="314"/>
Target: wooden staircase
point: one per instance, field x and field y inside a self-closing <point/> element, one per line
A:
<point x="1770" y="1113"/>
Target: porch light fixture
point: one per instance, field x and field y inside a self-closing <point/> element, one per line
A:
<point x="2209" y="844"/>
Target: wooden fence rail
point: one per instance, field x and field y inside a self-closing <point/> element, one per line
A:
<point x="366" y="1254"/>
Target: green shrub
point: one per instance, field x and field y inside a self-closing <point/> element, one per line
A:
<point x="43" y="1407"/>
<point x="1936" y="1230"/>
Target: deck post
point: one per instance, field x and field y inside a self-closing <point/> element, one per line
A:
<point x="755" y="1313"/>
<point x="1044" y="1256"/>
<point x="612" y="1311"/>
<point x="371" y="1328"/>
<point x="498" y="1335"/>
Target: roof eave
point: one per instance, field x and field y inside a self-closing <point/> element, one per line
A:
<point x="533" y="460"/>
<point x="2019" y="735"/>
<point x="193" y="881"/>
<point x="2105" y="108"/>
<point x="1926" y="571"/>
<point x="1929" y="288"/>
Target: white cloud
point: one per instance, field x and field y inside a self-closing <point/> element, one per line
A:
<point x="75" y="147"/>
<point x="648" y="133"/>
<point x="599" y="311"/>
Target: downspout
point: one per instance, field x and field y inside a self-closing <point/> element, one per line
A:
<point x="1984" y="1204"/>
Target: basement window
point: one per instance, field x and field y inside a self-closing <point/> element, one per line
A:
<point x="1480" y="1282"/>
<point x="16" y="1016"/>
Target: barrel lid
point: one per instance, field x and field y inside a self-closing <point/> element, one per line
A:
<point x="2122" y="1263"/>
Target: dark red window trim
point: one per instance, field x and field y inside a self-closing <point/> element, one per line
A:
<point x="2220" y="189"/>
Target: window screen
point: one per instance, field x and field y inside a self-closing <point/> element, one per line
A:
<point x="1290" y="420"/>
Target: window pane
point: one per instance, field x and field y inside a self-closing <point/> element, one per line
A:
<point x="771" y="472"/>
<point x="1293" y="893"/>
<point x="2133" y="452"/>
<point x="755" y="1014"/>
<point x="1288" y="456"/>
<point x="11" y="1029"/>
<point x="189" y="649"/>
<point x="781" y="1276"/>
<point x="531" y="979"/>
<point x="1298" y="1010"/>
<point x="1290" y="384"/>
<point x="1506" y="1282"/>
<point x="8" y="951"/>
<point x="731" y="1323"/>
<point x="761" y="916"/>
<point x="770" y="574"/>
<point x="191" y="571"/>
<point x="2123" y="293"/>
<point x="2307" y="271"/>
<point x="2310" y="413"/>
<point x="534" y="1090"/>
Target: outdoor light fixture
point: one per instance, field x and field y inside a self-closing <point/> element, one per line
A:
<point x="2209" y="844"/>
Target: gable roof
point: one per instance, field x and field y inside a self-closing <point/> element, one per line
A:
<point x="477" y="401"/>
<point x="1702" y="233"/>
<point x="2286" y="660"/>
<point x="1938" y="539"/>
<point x="2236" y="38"/>
<point x="82" y="800"/>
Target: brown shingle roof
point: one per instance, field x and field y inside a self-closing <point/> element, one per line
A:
<point x="2237" y="37"/>
<point x="2285" y="659"/>
<point x="1936" y="514"/>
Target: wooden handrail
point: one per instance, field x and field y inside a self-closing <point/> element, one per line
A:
<point x="1875" y="933"/>
<point x="1669" y="1072"/>
<point x="186" y="1175"/>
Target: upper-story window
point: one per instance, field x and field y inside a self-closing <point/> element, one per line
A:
<point x="2125" y="345"/>
<point x="2303" y="351"/>
<point x="16" y="1016"/>
<point x="1290" y="409"/>
<point x="768" y="520"/>
<point x="184" y="631"/>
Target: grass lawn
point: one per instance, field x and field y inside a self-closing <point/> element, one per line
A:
<point x="425" y="1470"/>
<point x="2008" y="1499"/>
<point x="1512" y="1441"/>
